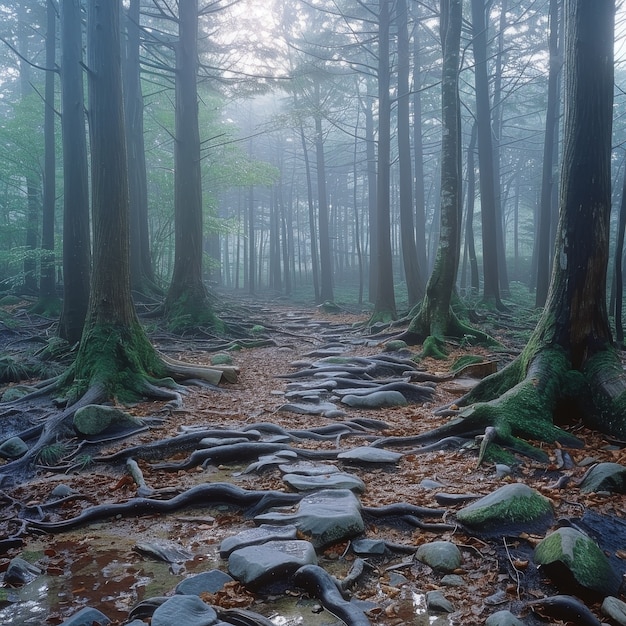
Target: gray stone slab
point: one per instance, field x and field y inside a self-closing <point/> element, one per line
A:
<point x="256" y="536"/>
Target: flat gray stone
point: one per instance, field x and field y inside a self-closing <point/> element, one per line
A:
<point x="187" y="610"/>
<point x="341" y="480"/>
<point x="442" y="556"/>
<point x="368" y="454"/>
<point x="21" y="572"/>
<point x="87" y="617"/>
<point x="615" y="609"/>
<point x="437" y="602"/>
<point x="325" y="517"/>
<point x="319" y="408"/>
<point x="270" y="562"/>
<point x="605" y="477"/>
<point x="368" y="547"/>
<point x="256" y="536"/>
<point x="212" y="442"/>
<point x="309" y="469"/>
<point x="503" y="618"/>
<point x="375" y="400"/>
<point x="206" y="582"/>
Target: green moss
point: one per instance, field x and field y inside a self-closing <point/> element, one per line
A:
<point x="48" y="307"/>
<point x="190" y="312"/>
<point x="433" y="347"/>
<point x="395" y="345"/>
<point x="119" y="359"/>
<point x="257" y="329"/>
<point x="464" y="361"/>
<point x="581" y="555"/>
<point x="512" y="504"/>
<point x="221" y="359"/>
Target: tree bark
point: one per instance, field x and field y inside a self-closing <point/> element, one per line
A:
<point x="76" y="231"/>
<point x="385" y="305"/>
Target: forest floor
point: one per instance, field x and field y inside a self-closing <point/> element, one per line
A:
<point x="96" y="565"/>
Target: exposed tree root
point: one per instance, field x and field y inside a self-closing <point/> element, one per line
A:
<point x="519" y="403"/>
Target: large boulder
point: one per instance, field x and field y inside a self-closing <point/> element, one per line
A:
<point x="569" y="556"/>
<point x="94" y="419"/>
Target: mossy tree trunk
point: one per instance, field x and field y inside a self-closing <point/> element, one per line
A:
<point x="114" y="355"/>
<point x="570" y="369"/>
<point x="435" y="319"/>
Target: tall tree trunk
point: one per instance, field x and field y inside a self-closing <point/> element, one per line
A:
<point x="47" y="286"/>
<point x="142" y="272"/>
<point x="491" y="288"/>
<point x="326" y="260"/>
<point x="544" y="239"/>
<point x="413" y="272"/>
<point x="385" y="305"/>
<point x="370" y="148"/>
<point x="418" y="152"/>
<point x="187" y="302"/>
<point x="76" y="232"/>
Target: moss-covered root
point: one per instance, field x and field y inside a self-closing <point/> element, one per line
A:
<point x="524" y="409"/>
<point x="212" y="375"/>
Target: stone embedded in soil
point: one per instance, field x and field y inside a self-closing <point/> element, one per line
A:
<point x="510" y="509"/>
<point x="615" y="609"/>
<point x="320" y="408"/>
<point x="442" y="556"/>
<point x="271" y="562"/>
<point x="341" y="480"/>
<point x="94" y="419"/>
<point x="375" y="400"/>
<point x="368" y="547"/>
<point x="87" y="617"/>
<point x="20" y="572"/>
<point x="325" y="517"/>
<point x="437" y="602"/>
<point x="212" y="442"/>
<point x="187" y="610"/>
<point x="254" y="536"/>
<point x="309" y="469"/>
<point x="369" y="454"/>
<point x="569" y="550"/>
<point x="206" y="582"/>
<point x="503" y="618"/>
<point x="605" y="477"/>
<point x="13" y="448"/>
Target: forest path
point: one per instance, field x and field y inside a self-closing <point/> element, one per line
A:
<point x="98" y="565"/>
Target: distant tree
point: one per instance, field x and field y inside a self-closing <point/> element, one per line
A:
<point x="142" y="272"/>
<point x="544" y="231"/>
<point x="385" y="303"/>
<point x="434" y="319"/>
<point x="488" y="209"/>
<point x="49" y="303"/>
<point x="187" y="303"/>
<point x="414" y="273"/>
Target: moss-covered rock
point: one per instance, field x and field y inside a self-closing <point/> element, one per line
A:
<point x="94" y="419"/>
<point x="395" y="345"/>
<point x="569" y="556"/>
<point x="512" y="509"/>
<point x="221" y="359"/>
<point x="13" y="448"/>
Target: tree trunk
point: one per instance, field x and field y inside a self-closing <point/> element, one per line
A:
<point x="326" y="261"/>
<point x="187" y="303"/>
<point x="48" y="301"/>
<point x="142" y="273"/>
<point x="76" y="232"/>
<point x="385" y="305"/>
<point x="544" y="239"/>
<point x="413" y="272"/>
<point x="491" y="288"/>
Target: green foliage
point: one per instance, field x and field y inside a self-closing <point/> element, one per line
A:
<point x="52" y="454"/>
